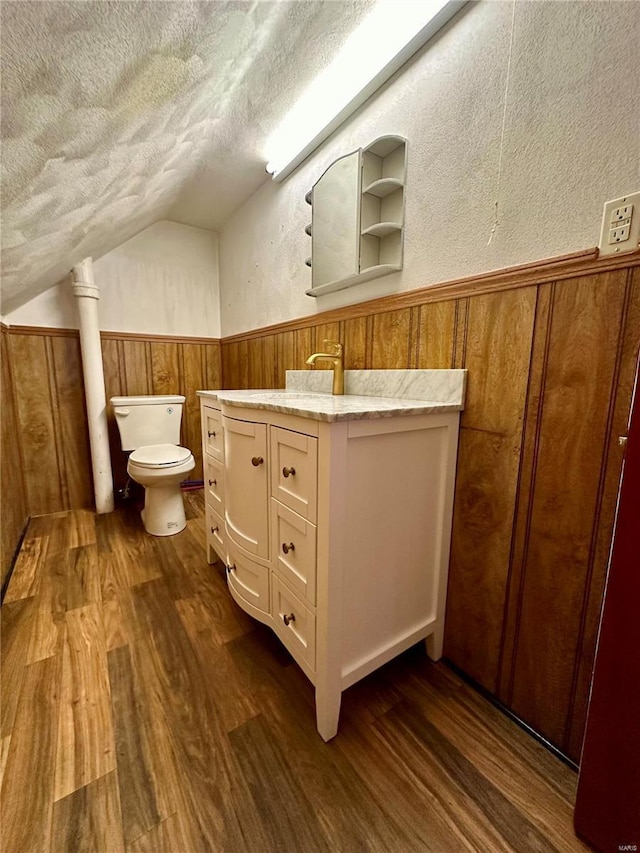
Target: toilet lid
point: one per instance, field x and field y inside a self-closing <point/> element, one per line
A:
<point x="159" y="455"/>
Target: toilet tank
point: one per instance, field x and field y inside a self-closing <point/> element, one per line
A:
<point x="148" y="420"/>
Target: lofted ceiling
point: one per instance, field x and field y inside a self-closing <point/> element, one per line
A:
<point x="118" y="114"/>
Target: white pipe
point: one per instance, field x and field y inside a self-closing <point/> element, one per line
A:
<point x="87" y="293"/>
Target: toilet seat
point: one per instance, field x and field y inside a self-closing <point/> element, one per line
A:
<point x="160" y="456"/>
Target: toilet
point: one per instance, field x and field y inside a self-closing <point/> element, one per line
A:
<point x="150" y="427"/>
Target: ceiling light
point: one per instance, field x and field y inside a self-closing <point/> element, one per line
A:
<point x="385" y="40"/>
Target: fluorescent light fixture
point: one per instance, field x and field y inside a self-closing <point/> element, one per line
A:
<point x="386" y="39"/>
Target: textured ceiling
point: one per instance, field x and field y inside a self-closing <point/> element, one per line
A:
<point x="118" y="114"/>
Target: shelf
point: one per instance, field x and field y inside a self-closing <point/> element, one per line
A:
<point x="366" y="275"/>
<point x="381" y="229"/>
<point x="383" y="187"/>
<point x="358" y="216"/>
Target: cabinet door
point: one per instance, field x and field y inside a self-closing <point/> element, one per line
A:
<point x="294" y="550"/>
<point x="294" y="471"/>
<point x="246" y="492"/>
<point x="214" y="484"/>
<point x="249" y="584"/>
<point x="336" y="221"/>
<point x="215" y="534"/>
<point x="294" y="623"/>
<point x="212" y="432"/>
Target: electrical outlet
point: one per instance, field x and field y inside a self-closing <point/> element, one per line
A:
<point x="620" y="231"/>
<point x="621" y="213"/>
<point x="619" y="234"/>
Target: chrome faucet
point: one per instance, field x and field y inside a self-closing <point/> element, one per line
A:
<point x="333" y="354"/>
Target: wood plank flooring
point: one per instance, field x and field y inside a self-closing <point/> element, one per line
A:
<point x="143" y="711"/>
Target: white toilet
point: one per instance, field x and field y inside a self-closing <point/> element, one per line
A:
<point x="150" y="427"/>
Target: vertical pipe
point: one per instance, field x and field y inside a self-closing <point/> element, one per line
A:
<point x="87" y="294"/>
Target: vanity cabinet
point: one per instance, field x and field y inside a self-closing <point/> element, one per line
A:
<point x="213" y="458"/>
<point x="337" y="536"/>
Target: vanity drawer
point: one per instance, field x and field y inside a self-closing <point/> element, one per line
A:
<point x="216" y="536"/>
<point x="212" y="432"/>
<point x="294" y="623"/>
<point x="294" y="471"/>
<point x="214" y="484"/>
<point x="248" y="581"/>
<point x="294" y="550"/>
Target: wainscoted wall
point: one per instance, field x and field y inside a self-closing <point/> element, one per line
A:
<point x="51" y="420"/>
<point x="13" y="493"/>
<point x="551" y="351"/>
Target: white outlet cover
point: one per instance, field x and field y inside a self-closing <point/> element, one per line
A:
<point x="624" y="246"/>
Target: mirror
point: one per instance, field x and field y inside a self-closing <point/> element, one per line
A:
<point x="334" y="232"/>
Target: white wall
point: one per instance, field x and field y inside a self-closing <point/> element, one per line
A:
<point x="572" y="141"/>
<point x="163" y="281"/>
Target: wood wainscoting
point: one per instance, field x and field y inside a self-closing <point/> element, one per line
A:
<point x="13" y="494"/>
<point x="551" y="350"/>
<point x="51" y="417"/>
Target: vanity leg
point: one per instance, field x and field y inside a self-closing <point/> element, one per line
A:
<point x="434" y="643"/>
<point x="327" y="712"/>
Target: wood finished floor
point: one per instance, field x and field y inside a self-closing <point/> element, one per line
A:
<point x="142" y="710"/>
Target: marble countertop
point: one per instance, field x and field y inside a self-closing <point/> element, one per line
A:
<point x="326" y="407"/>
<point x="435" y="391"/>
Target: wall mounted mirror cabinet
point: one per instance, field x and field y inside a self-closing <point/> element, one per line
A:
<point x="357" y="222"/>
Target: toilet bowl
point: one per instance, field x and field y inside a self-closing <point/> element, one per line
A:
<point x="160" y="468"/>
<point x="150" y="427"/>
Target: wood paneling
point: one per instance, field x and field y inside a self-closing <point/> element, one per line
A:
<point x="550" y="349"/>
<point x="44" y="472"/>
<point x="574" y="434"/>
<point x="51" y="419"/>
<point x="498" y="346"/>
<point x="355" y="343"/>
<point x="614" y="452"/>
<point x="66" y="365"/>
<point x="391" y="341"/>
<point x="13" y="493"/>
<point x="436" y="335"/>
<point x="191" y="378"/>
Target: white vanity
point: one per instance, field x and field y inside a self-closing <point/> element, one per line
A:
<point x="333" y="515"/>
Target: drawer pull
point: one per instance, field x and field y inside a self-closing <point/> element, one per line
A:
<point x="215" y="529"/>
<point x="231" y="569"/>
<point x="257" y="460"/>
<point x="213" y="482"/>
<point x="287" y="619"/>
<point x="288" y="471"/>
<point x="211" y="434"/>
<point x="290" y="547"/>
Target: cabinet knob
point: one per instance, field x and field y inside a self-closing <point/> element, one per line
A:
<point x="257" y="460"/>
<point x="215" y="529"/>
<point x="288" y="471"/>
<point x="290" y="547"/>
<point x="290" y="618"/>
<point x="231" y="569"/>
<point x="213" y="482"/>
<point x="211" y="434"/>
<point x="622" y="440"/>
